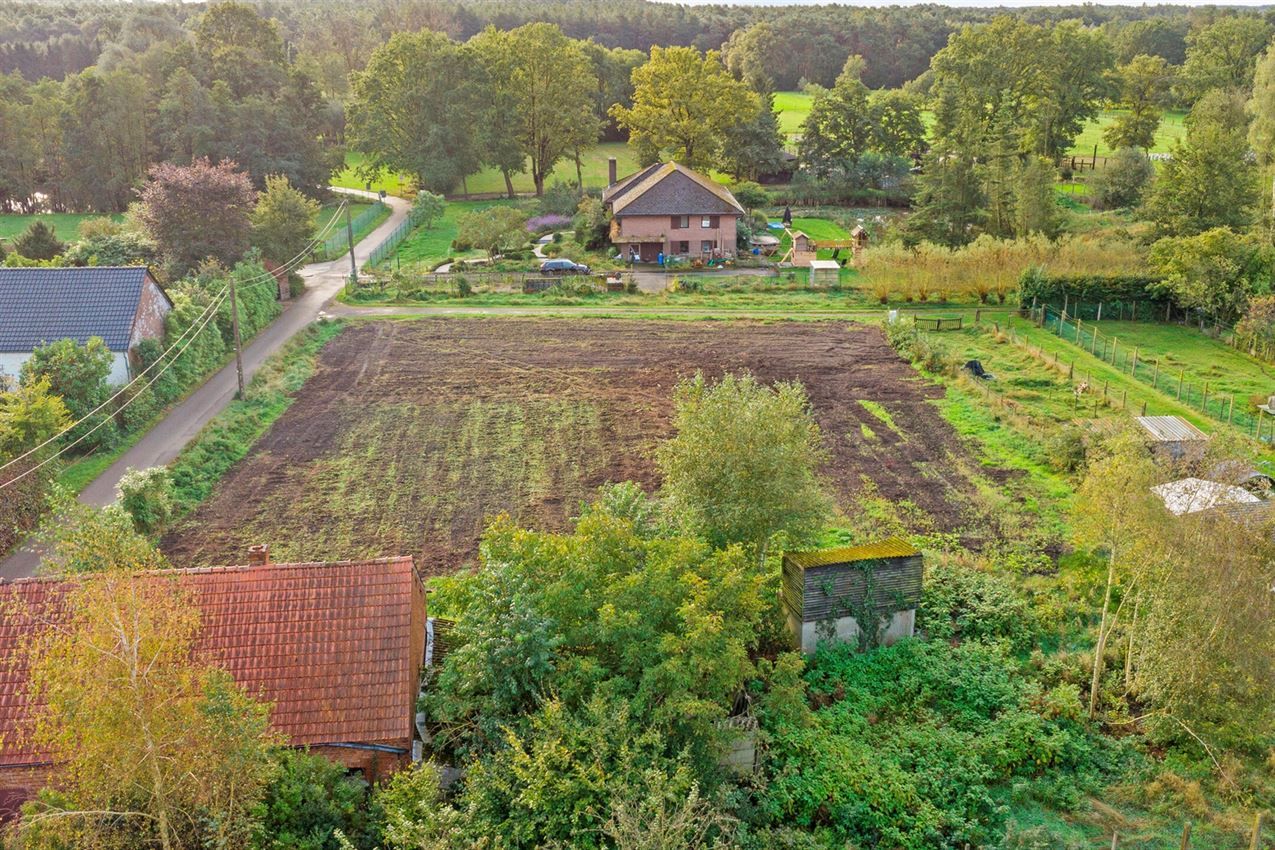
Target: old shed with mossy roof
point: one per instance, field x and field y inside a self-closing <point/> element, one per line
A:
<point x="867" y="593"/>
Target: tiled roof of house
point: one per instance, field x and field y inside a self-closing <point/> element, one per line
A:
<point x="670" y="189"/>
<point x="39" y="305"/>
<point x="331" y="646"/>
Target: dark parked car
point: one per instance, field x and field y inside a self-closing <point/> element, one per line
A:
<point x="562" y="267"/>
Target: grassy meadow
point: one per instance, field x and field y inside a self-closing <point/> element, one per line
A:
<point x="793" y="107"/>
<point x="65" y="225"/>
<point x="489" y="181"/>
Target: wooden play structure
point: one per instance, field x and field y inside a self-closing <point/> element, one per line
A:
<point x="802" y="250"/>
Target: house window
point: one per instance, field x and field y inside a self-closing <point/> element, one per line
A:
<point x="683" y="247"/>
<point x="706" y="222"/>
<point x="681" y="222"/>
<point x="707" y="246"/>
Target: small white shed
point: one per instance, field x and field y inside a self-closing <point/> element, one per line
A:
<point x="824" y="272"/>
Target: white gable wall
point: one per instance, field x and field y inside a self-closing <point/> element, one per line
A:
<point x="11" y="365"/>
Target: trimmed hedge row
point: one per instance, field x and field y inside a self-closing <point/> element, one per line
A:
<point x="1047" y="289"/>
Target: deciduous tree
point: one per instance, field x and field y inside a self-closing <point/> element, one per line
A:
<point x="1223" y="55"/>
<point x="151" y="747"/>
<point x="683" y="104"/>
<point x="1116" y="513"/>
<point x="551" y="83"/>
<point x="1208" y="182"/>
<point x="283" y="221"/>
<point x="193" y="212"/>
<point x="1144" y="84"/>
<point x="743" y="465"/>
<point x="839" y="127"/>
<point x="416" y="108"/>
<point x="494" y="230"/>
<point x="1214" y="272"/>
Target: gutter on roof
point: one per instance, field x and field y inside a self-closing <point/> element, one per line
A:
<point x="347" y="745"/>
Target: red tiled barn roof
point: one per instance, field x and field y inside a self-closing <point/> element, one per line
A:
<point x="335" y="647"/>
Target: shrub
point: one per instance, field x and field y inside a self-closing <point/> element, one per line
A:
<point x="147" y="496"/>
<point x="38" y="242"/>
<point x="1126" y="178"/>
<point x="1067" y="450"/>
<point x="548" y="222"/>
<point x="560" y="199"/>
<point x="875" y="764"/>
<point x="307" y="801"/>
<point x="961" y="600"/>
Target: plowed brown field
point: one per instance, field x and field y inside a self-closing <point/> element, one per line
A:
<point x="411" y="434"/>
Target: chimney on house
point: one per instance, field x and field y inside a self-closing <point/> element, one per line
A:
<point x="259" y="555"/>
<point x="611" y="175"/>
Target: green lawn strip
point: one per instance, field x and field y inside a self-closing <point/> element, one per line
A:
<point x="1099" y="373"/>
<point x="65" y="225"/>
<point x="1197" y="356"/>
<point x="425" y="248"/>
<point x="348" y="179"/>
<point x="490" y="181"/>
<point x="230" y="436"/>
<point x="79" y="473"/>
<point x="777" y="299"/>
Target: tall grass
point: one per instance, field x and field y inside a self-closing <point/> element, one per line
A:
<point x="986" y="268"/>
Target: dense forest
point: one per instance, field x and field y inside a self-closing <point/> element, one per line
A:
<point x="809" y="43"/>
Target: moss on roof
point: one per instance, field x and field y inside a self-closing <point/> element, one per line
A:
<point x="892" y="547"/>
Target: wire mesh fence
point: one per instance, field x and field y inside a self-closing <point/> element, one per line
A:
<point x="387" y="247"/>
<point x="339" y="242"/>
<point x="1171" y="380"/>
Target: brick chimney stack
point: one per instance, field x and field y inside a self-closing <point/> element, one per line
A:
<point x="611" y="171"/>
<point x="259" y="555"/>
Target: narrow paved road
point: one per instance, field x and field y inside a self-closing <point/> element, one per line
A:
<point x="165" y="441"/>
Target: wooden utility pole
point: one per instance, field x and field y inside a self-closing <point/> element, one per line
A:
<point x="1186" y="836"/>
<point x="234" y="324"/>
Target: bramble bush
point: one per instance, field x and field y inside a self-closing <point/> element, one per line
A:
<point x="962" y="601"/>
<point x="913" y="745"/>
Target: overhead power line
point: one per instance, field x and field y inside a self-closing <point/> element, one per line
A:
<point x="198" y="325"/>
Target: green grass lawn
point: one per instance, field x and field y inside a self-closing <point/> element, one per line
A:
<point x="1197" y="356"/>
<point x="1171" y="129"/>
<point x="490" y="181"/>
<point x="793" y="107"/>
<point x="66" y="225"/>
<point x="329" y="211"/>
<point x="816" y="229"/>
<point x="426" y="248"/>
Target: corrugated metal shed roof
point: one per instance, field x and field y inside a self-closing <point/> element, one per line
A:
<point x="892" y="547"/>
<point x="1171" y="429"/>
<point x="329" y="645"/>
<point x="42" y="305"/>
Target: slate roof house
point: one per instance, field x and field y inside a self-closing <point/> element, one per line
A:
<point x="121" y="304"/>
<point x="669" y="209"/>
<point x="336" y="648"/>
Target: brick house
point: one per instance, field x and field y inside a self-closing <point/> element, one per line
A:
<point x="669" y="209"/>
<point x="121" y="304"/>
<point x="336" y="648"/>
